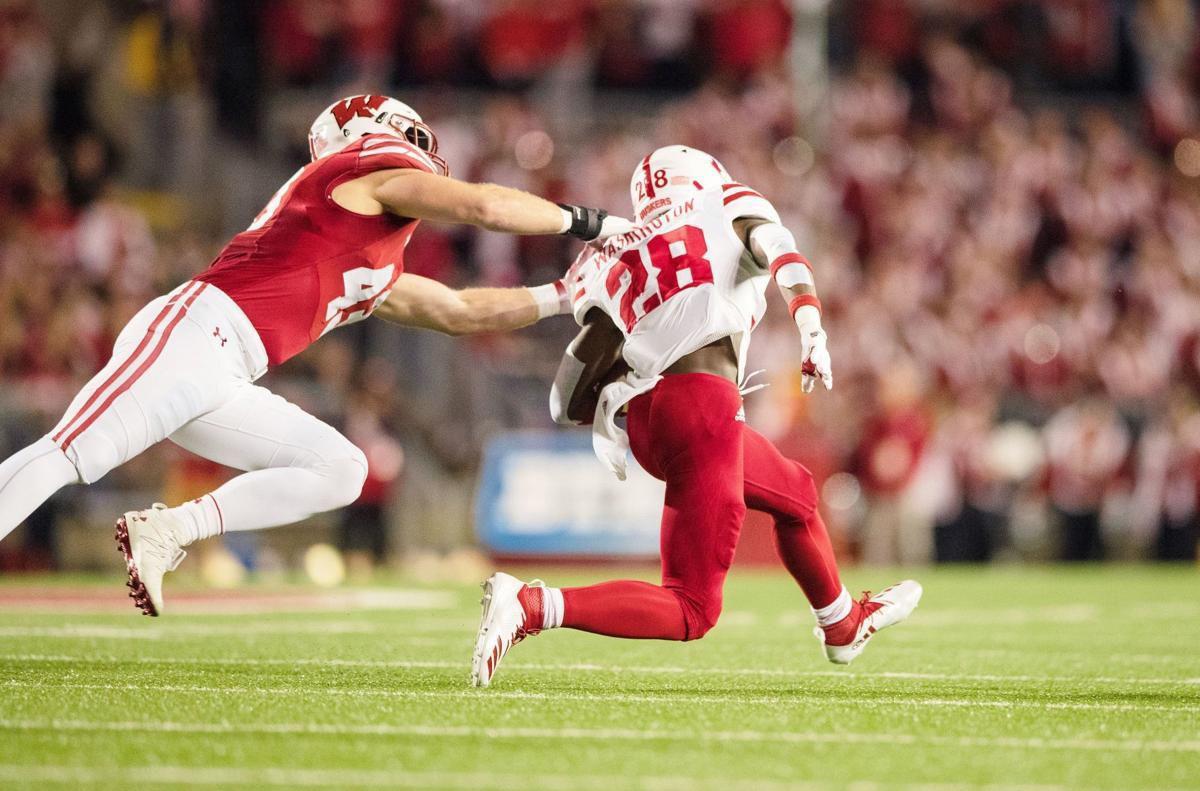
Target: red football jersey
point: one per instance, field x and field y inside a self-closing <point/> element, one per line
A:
<point x="307" y="265"/>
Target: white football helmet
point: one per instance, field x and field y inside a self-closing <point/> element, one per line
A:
<point x="346" y="120"/>
<point x="671" y="174"/>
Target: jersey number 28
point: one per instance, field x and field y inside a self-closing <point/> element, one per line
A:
<point x="676" y="259"/>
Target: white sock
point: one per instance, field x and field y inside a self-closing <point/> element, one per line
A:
<point x="552" y="608"/>
<point x="200" y="518"/>
<point x="832" y="613"/>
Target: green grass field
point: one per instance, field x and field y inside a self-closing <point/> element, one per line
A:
<point x="1005" y="678"/>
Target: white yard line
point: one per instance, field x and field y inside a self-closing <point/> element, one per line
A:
<point x="155" y="632"/>
<point x="1079" y="612"/>
<point x="736" y="699"/>
<point x="403" y="778"/>
<point x="342" y="778"/>
<point x="247" y="602"/>
<point x="247" y="629"/>
<point x="404" y="664"/>
<point x="599" y="734"/>
<point x="898" y="643"/>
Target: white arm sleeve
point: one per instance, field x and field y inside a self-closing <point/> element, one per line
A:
<point x="570" y="369"/>
<point x="774" y="246"/>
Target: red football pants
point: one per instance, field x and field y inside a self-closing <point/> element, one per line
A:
<point x="685" y="432"/>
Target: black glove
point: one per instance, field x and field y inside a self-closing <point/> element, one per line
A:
<point x="585" y="223"/>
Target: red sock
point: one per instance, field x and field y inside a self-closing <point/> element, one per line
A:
<point x="533" y="602"/>
<point x="625" y="608"/>
<point x="842" y="632"/>
<point x="807" y="553"/>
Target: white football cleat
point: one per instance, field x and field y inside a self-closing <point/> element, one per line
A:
<point x="504" y="622"/>
<point x="846" y="639"/>
<point x="148" y="540"/>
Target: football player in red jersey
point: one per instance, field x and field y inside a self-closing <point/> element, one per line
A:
<point x="327" y="250"/>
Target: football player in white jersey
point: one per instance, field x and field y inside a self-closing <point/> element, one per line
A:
<point x="666" y="311"/>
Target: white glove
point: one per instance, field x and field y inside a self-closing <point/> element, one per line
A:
<point x="814" y="349"/>
<point x="610" y="227"/>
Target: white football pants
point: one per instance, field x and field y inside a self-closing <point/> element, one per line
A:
<point x="184" y="368"/>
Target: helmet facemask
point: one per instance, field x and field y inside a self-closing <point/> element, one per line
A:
<point x="420" y="135"/>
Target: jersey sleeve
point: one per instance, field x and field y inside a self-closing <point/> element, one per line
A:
<point x="385" y="152"/>
<point x="742" y="201"/>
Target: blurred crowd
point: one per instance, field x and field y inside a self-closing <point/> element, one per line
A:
<point x="1002" y="205"/>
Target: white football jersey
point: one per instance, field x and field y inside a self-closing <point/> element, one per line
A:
<point x="673" y="285"/>
<point x="680" y="281"/>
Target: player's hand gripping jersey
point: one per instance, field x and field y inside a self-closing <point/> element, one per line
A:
<point x="674" y="285"/>
<point x="307" y="265"/>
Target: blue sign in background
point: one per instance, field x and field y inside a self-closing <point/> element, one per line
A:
<point x="546" y="493"/>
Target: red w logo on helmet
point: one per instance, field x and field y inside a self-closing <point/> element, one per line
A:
<point x="356" y="107"/>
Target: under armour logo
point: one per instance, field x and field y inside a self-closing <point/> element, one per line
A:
<point x="217" y="334"/>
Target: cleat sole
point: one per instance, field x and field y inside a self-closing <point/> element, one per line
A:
<point x="137" y="590"/>
<point x="477" y="661"/>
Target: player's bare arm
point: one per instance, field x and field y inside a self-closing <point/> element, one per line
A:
<point x="586" y="366"/>
<point x="427" y="304"/>
<point x="774" y="247"/>
<point x="429" y="196"/>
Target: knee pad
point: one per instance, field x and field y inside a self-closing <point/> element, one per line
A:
<point x="700" y="611"/>
<point x="346" y="475"/>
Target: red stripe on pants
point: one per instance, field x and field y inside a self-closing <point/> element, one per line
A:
<point x="99" y="391"/>
<point x="137" y="374"/>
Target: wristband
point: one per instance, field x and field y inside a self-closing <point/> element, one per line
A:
<point x="801" y="301"/>
<point x="792" y="271"/>
<point x="551" y="299"/>
<point x="584" y="223"/>
<point x="789" y="258"/>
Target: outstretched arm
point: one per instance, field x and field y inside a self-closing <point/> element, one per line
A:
<point x="427" y="304"/>
<point x="774" y="247"/>
<point x="430" y="196"/>
<point x="592" y="360"/>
